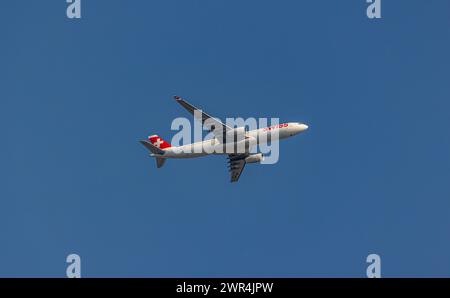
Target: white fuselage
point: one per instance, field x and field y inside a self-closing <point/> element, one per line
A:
<point x="251" y="138"/>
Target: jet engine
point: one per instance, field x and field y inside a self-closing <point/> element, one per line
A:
<point x="254" y="158"/>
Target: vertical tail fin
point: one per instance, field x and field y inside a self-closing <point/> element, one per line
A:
<point x="160" y="145"/>
<point x="159" y="142"/>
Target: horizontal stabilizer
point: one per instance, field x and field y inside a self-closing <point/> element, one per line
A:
<point x="160" y="162"/>
<point x="152" y="148"/>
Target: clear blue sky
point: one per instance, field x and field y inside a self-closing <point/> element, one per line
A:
<point x="371" y="175"/>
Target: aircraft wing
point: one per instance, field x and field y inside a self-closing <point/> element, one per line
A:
<point x="236" y="163"/>
<point x="214" y="125"/>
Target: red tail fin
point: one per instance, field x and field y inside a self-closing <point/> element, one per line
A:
<point x="158" y="142"/>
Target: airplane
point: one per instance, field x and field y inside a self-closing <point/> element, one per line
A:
<point x="237" y="158"/>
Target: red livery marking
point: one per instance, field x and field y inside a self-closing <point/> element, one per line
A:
<point x="158" y="142"/>
<point x="276" y="126"/>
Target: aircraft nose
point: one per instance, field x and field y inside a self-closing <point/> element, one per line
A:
<point x="302" y="127"/>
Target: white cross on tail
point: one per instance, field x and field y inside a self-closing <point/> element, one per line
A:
<point x="158" y="142"/>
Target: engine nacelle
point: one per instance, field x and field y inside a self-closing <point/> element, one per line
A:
<point x="254" y="158"/>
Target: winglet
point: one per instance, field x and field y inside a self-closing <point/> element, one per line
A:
<point x="176" y="97"/>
